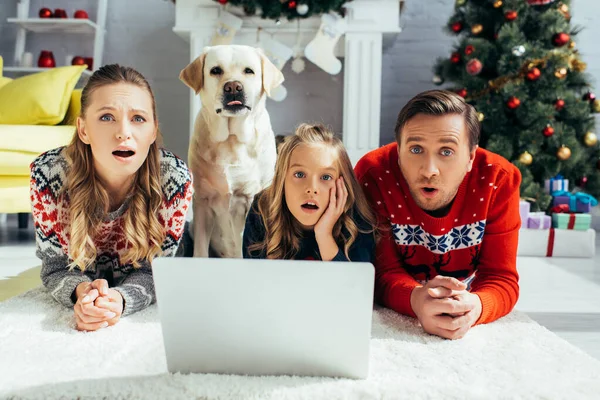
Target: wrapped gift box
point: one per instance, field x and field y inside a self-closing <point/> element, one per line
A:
<point x="557" y="243"/>
<point x="539" y="220"/>
<point x="577" y="202"/>
<point x="556" y="184"/>
<point x="578" y="222"/>
<point x="524" y="208"/>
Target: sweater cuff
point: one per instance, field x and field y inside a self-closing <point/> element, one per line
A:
<point x="64" y="291"/>
<point x="487" y="307"/>
<point x="135" y="298"/>
<point x="399" y="299"/>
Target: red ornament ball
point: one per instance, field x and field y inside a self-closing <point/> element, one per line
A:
<point x="223" y="2"/>
<point x="81" y="14"/>
<point x="534" y="74"/>
<point x="589" y="96"/>
<point x="455" y="58"/>
<point x="513" y="103"/>
<point x="560" y="39"/>
<point x="78" y="60"/>
<point x="292" y="4"/>
<point x="457" y="27"/>
<point x="469" y="50"/>
<point x="548" y="131"/>
<point x="559" y="104"/>
<point x="60" y="13"/>
<point x="581" y="182"/>
<point x="462" y="92"/>
<point x="474" y="67"/>
<point x="45" y="13"/>
<point x="511" y="15"/>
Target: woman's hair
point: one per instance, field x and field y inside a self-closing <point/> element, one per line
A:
<point x="283" y="231"/>
<point x="89" y="200"/>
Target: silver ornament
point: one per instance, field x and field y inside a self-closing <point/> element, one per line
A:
<point x="302" y="9"/>
<point x="518" y="50"/>
<point x="437" y="80"/>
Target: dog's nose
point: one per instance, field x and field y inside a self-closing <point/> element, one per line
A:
<point x="233" y="87"/>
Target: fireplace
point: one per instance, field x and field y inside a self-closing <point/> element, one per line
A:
<point x="361" y="48"/>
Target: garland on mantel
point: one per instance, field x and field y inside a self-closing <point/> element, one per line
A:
<point x="290" y="9"/>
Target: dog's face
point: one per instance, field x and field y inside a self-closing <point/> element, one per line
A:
<point x="231" y="79"/>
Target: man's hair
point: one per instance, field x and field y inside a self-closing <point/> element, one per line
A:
<point x="440" y="102"/>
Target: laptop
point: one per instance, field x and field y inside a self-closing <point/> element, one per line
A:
<point x="265" y="317"/>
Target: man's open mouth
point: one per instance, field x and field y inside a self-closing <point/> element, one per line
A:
<point x="124" y="153"/>
<point x="309" y="205"/>
<point x="429" y="189"/>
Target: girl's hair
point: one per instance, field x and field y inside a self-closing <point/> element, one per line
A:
<point x="283" y="231"/>
<point x="89" y="200"/>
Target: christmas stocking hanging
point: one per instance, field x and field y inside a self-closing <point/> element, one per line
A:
<point x="320" y="50"/>
<point x="279" y="54"/>
<point x="227" y="26"/>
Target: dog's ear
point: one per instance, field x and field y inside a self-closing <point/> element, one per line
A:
<point x="193" y="74"/>
<point x="271" y="75"/>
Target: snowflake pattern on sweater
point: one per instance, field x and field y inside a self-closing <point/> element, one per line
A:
<point x="50" y="209"/>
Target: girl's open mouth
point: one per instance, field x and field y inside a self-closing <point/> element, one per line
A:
<point x="309" y="207"/>
<point x="123" y="153"/>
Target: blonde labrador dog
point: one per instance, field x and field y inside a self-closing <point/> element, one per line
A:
<point x="232" y="150"/>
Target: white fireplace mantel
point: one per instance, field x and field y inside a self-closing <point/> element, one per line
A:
<point x="361" y="47"/>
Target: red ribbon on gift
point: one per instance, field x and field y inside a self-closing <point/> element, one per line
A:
<point x="571" y="221"/>
<point x="550" y="248"/>
<point x="560" y="209"/>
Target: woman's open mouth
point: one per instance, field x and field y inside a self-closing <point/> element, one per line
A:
<point x="309" y="207"/>
<point x="123" y="155"/>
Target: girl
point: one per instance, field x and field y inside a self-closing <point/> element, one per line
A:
<point x="315" y="208"/>
<point x="108" y="203"/>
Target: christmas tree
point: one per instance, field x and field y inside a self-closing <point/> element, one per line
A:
<point x="517" y="63"/>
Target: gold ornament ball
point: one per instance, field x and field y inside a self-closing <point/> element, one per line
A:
<point x="590" y="139"/>
<point x="564" y="153"/>
<point x="561" y="73"/>
<point x="526" y="158"/>
<point x="596" y="106"/>
<point x="572" y="44"/>
<point x="564" y="10"/>
<point x="460" y="2"/>
<point x="480" y="116"/>
<point x="477" y="29"/>
<point x="498" y="4"/>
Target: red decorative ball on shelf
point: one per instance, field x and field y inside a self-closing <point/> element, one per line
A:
<point x="222" y="2"/>
<point x="78" y="60"/>
<point x="534" y="74"/>
<point x="457" y="27"/>
<point x="455" y="58"/>
<point x="469" y="50"/>
<point x="513" y="102"/>
<point x="60" y="13"/>
<point x="511" y="15"/>
<point x="548" y="131"/>
<point x="559" y="104"/>
<point x="462" y="92"/>
<point x="560" y="39"/>
<point x="45" y="13"/>
<point x="46" y="59"/>
<point x="589" y="96"/>
<point x="474" y="67"/>
<point x="90" y="63"/>
<point x="292" y="4"/>
<point x="81" y="14"/>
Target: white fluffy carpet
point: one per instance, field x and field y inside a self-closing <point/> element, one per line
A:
<point x="42" y="356"/>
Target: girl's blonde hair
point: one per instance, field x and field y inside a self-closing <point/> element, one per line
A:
<point x="89" y="200"/>
<point x="283" y="231"/>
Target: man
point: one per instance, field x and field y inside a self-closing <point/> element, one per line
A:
<point x="448" y="216"/>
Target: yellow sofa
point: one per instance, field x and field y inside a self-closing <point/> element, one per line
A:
<point x="19" y="146"/>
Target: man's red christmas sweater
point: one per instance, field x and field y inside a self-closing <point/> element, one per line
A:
<point x="479" y="235"/>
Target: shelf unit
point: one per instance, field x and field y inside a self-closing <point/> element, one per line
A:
<point x="26" y="25"/>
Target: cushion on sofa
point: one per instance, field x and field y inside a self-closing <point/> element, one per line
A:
<point x="39" y="99"/>
<point x="34" y="138"/>
<point x="74" y="108"/>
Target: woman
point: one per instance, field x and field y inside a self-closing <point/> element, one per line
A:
<point x="108" y="203"/>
